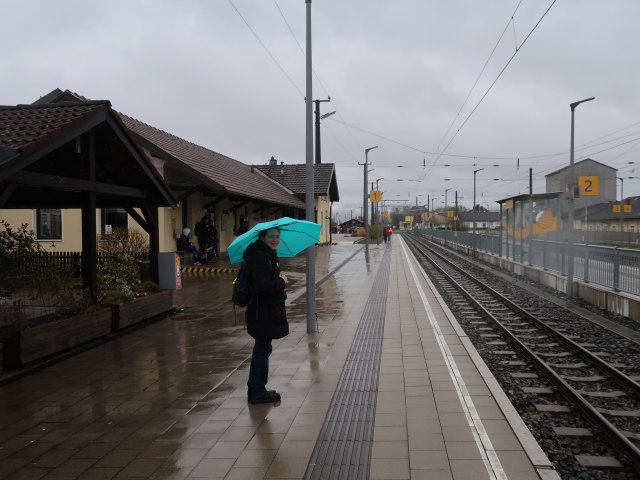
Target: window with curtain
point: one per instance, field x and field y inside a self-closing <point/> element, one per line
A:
<point x="49" y="224"/>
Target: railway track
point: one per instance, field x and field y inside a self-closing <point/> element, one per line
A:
<point x="566" y="372"/>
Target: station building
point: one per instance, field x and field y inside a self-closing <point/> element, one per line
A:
<point x="204" y="183"/>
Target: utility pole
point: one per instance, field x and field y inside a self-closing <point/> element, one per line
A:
<point x="309" y="191"/>
<point x="621" y="204"/>
<point x="455" y="213"/>
<point x="530" y="216"/>
<point x="365" y="202"/>
<point x="372" y="207"/>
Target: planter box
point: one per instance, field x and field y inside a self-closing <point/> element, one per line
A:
<point x="126" y="314"/>
<point x="41" y="340"/>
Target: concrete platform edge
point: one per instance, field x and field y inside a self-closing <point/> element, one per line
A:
<point x="536" y="455"/>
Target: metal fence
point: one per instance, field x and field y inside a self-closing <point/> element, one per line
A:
<point x="612" y="267"/>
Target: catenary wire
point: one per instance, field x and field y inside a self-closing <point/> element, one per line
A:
<point x="498" y="77"/>
<point x="266" y="49"/>
<point x="457" y="115"/>
<point x="317" y="77"/>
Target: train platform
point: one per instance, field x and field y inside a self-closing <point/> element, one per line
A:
<point x="389" y="387"/>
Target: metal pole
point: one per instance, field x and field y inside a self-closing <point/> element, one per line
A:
<point x="531" y="216"/>
<point x="475" y="210"/>
<point x="621" y="201"/>
<point x="371" y="205"/>
<point x="571" y="215"/>
<point x="365" y="201"/>
<point x="446" y="211"/>
<point x="455" y="213"/>
<point x="377" y="204"/>
<point x="310" y="211"/>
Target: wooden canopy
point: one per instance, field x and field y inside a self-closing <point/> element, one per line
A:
<point x="79" y="155"/>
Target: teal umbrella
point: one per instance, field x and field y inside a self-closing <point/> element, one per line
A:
<point x="295" y="236"/>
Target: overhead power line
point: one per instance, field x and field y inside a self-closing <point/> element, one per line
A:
<point x="498" y="77"/>
<point x="267" y="50"/>
<point x="457" y="115"/>
<point x="315" y="75"/>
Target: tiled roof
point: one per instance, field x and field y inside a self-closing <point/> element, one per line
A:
<point x="294" y="176"/>
<point x="25" y="127"/>
<point x="235" y="177"/>
<point x="35" y="140"/>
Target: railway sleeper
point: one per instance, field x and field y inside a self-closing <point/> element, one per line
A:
<point x="597" y="461"/>
<point x="610" y="394"/>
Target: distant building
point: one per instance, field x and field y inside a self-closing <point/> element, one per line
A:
<point x="610" y="216"/>
<point x="485" y="220"/>
<point x="606" y="182"/>
<point x="350" y="224"/>
<point x="293" y="177"/>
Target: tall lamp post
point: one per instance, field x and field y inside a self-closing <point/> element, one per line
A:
<point x="377" y="210"/>
<point x="621" y="200"/>
<point x="433" y="199"/>
<point x="474" y="209"/>
<point x="365" y="202"/>
<point x="446" y="212"/>
<point x="309" y="190"/>
<point x="570" y="236"/>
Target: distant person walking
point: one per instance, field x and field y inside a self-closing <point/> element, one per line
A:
<point x="386" y="233"/>
<point x="266" y="314"/>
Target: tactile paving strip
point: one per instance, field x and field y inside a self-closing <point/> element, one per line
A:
<point x="343" y="449"/>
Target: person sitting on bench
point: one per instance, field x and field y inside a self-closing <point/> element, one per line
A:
<point x="185" y="244"/>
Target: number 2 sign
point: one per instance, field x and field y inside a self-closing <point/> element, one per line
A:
<point x="588" y="186"/>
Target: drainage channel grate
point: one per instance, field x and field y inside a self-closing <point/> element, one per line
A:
<point x="343" y="449"/>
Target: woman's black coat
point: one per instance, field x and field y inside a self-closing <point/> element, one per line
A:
<point x="266" y="315"/>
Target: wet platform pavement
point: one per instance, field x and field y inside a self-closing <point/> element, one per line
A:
<point x="168" y="401"/>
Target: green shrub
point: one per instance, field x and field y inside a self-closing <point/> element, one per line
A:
<point x="118" y="278"/>
<point x="375" y="233"/>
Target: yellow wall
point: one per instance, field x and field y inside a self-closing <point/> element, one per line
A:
<point x="71" y="223"/>
<point x="323" y="216"/>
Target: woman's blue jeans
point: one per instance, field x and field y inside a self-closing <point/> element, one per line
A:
<point x="195" y="252"/>
<point x="259" y="369"/>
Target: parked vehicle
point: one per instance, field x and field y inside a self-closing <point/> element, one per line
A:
<point x="358" y="232"/>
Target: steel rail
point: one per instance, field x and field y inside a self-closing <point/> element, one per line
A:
<point x="614" y="435"/>
<point x="620" y="377"/>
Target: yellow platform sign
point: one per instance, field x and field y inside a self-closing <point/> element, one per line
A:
<point x="375" y="195"/>
<point x="588" y="186"/>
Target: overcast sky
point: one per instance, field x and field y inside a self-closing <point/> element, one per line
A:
<point x="230" y="75"/>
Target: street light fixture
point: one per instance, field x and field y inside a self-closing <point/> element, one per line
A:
<point x="570" y="220"/>
<point x="474" y="209"/>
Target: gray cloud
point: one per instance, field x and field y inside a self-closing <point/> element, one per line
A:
<point x="398" y="69"/>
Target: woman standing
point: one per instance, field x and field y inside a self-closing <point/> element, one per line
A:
<point x="266" y="315"/>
